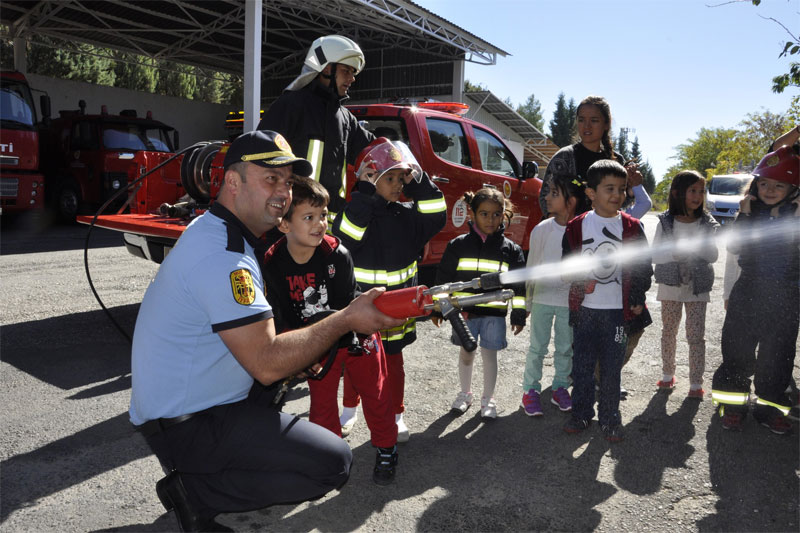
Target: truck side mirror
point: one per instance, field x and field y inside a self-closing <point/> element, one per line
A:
<point x="530" y="169"/>
<point x="44" y="105"/>
<point x="175" y="141"/>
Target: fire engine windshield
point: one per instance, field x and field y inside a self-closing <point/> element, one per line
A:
<point x="16" y="104"/>
<point x="136" y="137"/>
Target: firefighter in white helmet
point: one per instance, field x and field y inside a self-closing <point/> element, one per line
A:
<point x="310" y="114"/>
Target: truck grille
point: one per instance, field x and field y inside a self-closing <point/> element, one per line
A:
<point x="9" y="160"/>
<point x="9" y="187"/>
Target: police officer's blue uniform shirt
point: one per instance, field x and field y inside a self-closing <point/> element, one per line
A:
<point x="210" y="282"/>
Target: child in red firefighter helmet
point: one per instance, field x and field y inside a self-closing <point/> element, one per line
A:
<point x="385" y="236"/>
<point x="764" y="306"/>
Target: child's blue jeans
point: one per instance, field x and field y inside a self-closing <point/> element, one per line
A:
<point x="599" y="336"/>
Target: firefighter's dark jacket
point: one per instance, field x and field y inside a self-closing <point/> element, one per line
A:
<point x="468" y="256"/>
<point x="386" y="239"/>
<point x="315" y="113"/>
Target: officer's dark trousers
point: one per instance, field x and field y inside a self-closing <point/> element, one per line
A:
<point x="599" y="339"/>
<point x="765" y="316"/>
<point x="248" y="455"/>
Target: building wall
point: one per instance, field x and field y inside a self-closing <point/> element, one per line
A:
<point x="194" y="120"/>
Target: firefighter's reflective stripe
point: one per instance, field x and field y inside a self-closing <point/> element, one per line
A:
<point x="314" y="156"/>
<point x="437" y="205"/>
<point x="396" y="334"/>
<point x="343" y="188"/>
<point x="351" y="230"/>
<point x="730" y="398"/>
<point x="518" y="302"/>
<point x="481" y="265"/>
<point x="382" y="277"/>
<point x="497" y="304"/>
<point x="782" y="408"/>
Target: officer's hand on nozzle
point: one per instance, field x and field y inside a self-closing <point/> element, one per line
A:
<point x="637" y="309"/>
<point x="363" y="317"/>
<point x="436" y="320"/>
<point x="517" y="329"/>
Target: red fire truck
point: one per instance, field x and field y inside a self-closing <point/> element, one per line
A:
<point x="458" y="153"/>
<point x="87" y="158"/>
<point x="21" y="182"/>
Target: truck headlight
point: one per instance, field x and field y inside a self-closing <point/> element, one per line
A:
<point x="710" y="205"/>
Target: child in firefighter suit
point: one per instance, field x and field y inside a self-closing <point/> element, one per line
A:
<point x="309" y="272"/>
<point x="484" y="249"/>
<point x="764" y="306"/>
<point x="386" y="236"/>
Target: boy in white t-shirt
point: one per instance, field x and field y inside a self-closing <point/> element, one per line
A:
<point x="607" y="300"/>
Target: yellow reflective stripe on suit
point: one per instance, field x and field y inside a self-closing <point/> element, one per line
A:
<point x="351" y="230"/>
<point x="382" y="277"/>
<point x="431" y="206"/>
<point x="395" y="334"/>
<point x="481" y="265"/>
<point x="730" y="398"/>
<point x="782" y="408"/>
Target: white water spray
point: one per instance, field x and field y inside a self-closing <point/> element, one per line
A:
<point x="780" y="233"/>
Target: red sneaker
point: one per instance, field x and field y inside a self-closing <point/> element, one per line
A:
<point x="778" y="424"/>
<point x="732" y="421"/>
<point x="696" y="393"/>
<point x="667" y="384"/>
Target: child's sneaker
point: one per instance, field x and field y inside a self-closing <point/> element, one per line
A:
<point x="488" y="408"/>
<point x="576" y="425"/>
<point x="667" y="385"/>
<point x="402" y="429"/>
<point x="732" y="421"/>
<point x="613" y="433"/>
<point x="778" y="424"/>
<point x="462" y="402"/>
<point x="348" y="419"/>
<point x="531" y="403"/>
<point x="385" y="462"/>
<point x="562" y="399"/>
<point x="696" y="393"/>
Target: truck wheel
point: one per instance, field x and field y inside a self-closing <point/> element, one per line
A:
<point x="69" y="200"/>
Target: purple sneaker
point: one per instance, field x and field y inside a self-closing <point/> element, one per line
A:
<point x="562" y="399"/>
<point x="532" y="404"/>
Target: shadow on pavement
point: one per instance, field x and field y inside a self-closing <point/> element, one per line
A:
<point x="754" y="475"/>
<point x="668" y="437"/>
<point x="71" y="351"/>
<point x="475" y="490"/>
<point x="67" y="462"/>
<point x="21" y="235"/>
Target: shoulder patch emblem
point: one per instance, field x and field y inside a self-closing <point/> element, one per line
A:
<point x="244" y="291"/>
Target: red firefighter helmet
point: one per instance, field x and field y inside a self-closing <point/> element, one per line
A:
<point x="383" y="155"/>
<point x="781" y="165"/>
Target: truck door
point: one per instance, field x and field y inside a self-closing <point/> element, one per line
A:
<point x="83" y="148"/>
<point x="501" y="169"/>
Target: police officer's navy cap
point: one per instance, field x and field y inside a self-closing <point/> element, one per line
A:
<point x="266" y="149"/>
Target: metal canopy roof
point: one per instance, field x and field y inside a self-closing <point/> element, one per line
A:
<point x="210" y="33"/>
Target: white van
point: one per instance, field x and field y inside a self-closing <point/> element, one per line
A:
<point x="723" y="195"/>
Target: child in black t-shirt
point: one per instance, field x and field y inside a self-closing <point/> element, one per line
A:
<point x="308" y="272"/>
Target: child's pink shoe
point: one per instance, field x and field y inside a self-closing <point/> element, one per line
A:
<point x="696" y="393"/>
<point x="668" y="385"/>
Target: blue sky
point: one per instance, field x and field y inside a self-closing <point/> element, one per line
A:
<point x="667" y="67"/>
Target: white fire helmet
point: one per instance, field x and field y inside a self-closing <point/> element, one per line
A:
<point x="383" y="155"/>
<point x="326" y="50"/>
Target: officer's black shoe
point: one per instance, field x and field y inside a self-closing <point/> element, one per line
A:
<point x="173" y="496"/>
<point x="385" y="463"/>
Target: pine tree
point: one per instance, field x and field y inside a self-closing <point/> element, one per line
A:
<point x="563" y="124"/>
<point x="649" y="180"/>
<point x="176" y="80"/>
<point x="54" y="58"/>
<point x="135" y="72"/>
<point x="621" y="144"/>
<point x="531" y="111"/>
